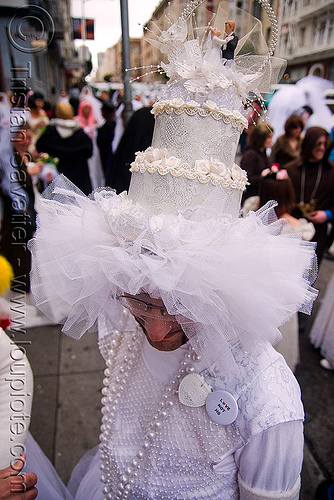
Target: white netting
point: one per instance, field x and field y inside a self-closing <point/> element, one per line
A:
<point x="226" y="280"/>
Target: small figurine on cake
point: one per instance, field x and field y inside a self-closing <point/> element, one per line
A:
<point x="227" y="44"/>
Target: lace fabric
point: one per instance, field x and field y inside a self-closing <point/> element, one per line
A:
<point x="190" y="473"/>
<point x="194" y="137"/>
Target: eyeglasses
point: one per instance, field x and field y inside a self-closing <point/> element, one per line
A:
<point x="140" y="308"/>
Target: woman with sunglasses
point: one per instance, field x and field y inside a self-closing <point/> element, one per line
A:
<point x="312" y="176"/>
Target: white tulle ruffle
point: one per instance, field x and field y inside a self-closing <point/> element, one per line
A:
<point x="227" y="281"/>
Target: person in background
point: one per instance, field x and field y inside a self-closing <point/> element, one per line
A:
<point x="105" y="97"/>
<point x="137" y="136"/>
<point x="19" y="214"/>
<point x="65" y="139"/>
<point x="288" y="146"/>
<point x="38" y="120"/>
<point x="305" y="113"/>
<point x="325" y="490"/>
<point x="322" y="331"/>
<point x="19" y="453"/>
<point x="88" y="122"/>
<point x="13" y="484"/>
<point x="63" y="96"/>
<point x="276" y="185"/>
<point x="86" y="118"/>
<point x="74" y="100"/>
<point x="312" y="176"/>
<point x="48" y="109"/>
<point x="105" y="135"/>
<point x="255" y="159"/>
<point x="118" y="100"/>
<point x="254" y="115"/>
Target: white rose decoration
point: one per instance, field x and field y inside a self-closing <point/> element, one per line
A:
<point x="155" y="163"/>
<point x="177" y="102"/>
<point x="226" y="112"/>
<point x="237" y="115"/>
<point x="220" y="169"/>
<point x="140" y="157"/>
<point x="238" y="174"/>
<point x="211" y="106"/>
<point x="153" y="154"/>
<point x="193" y="104"/>
<point x="202" y="166"/>
<point x="172" y="162"/>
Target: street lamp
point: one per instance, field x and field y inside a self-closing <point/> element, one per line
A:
<point x="126" y="59"/>
<point x="125" y="52"/>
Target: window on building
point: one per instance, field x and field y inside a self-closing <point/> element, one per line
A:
<point x="285" y="43"/>
<point x="330" y="71"/>
<point x="330" y="29"/>
<point x="291" y="6"/>
<point x="321" y="32"/>
<point x="302" y="35"/>
<point x="38" y="66"/>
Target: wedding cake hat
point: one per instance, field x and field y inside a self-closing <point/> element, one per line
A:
<point x="200" y="116"/>
<point x="177" y="235"/>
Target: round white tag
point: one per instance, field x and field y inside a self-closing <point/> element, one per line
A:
<point x="221" y="407"/>
<point x="193" y="390"/>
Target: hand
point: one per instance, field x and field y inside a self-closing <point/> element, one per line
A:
<point x="34" y="168"/>
<point x="319" y="216"/>
<point x="49" y="177"/>
<point x="17" y="487"/>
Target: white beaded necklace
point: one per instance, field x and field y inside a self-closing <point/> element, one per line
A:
<point x="113" y="386"/>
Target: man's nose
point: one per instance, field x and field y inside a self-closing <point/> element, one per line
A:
<point x="157" y="328"/>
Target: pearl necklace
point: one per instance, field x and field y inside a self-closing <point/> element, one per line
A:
<point x="114" y="383"/>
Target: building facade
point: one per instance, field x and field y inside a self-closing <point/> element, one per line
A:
<point x="35" y="42"/>
<point x="307" y="38"/>
<point x="306" y="35"/>
<point x="111" y="62"/>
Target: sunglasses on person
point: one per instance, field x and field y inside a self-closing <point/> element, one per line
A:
<point x="320" y="143"/>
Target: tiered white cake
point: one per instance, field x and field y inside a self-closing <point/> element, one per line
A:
<point x="191" y="160"/>
<point x="198" y="124"/>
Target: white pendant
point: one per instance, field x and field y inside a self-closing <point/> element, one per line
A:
<point x="193" y="390"/>
<point x="221" y="407"/>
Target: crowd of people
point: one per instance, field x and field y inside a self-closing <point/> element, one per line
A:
<point x="163" y="277"/>
<point x="75" y="138"/>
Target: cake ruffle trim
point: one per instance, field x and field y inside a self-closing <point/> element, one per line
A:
<point x="209" y="108"/>
<point x="157" y="160"/>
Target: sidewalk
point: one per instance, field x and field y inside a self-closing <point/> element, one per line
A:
<point x="67" y="400"/>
